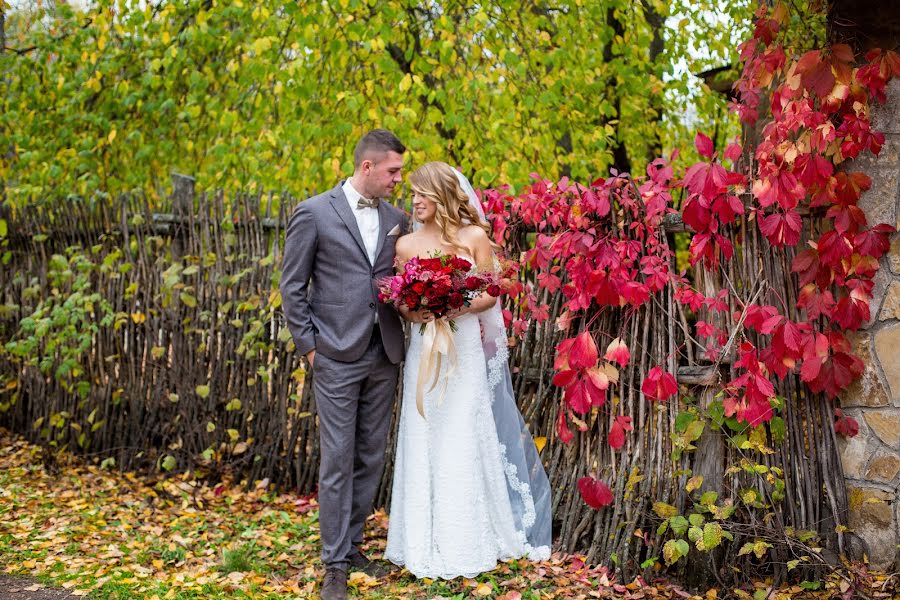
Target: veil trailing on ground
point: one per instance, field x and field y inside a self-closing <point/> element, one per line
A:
<point x="526" y="481"/>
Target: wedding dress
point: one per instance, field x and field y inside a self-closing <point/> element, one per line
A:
<point x="469" y="488"/>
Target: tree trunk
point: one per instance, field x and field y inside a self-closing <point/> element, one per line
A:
<point x="619" y="152"/>
<point x="657" y="45"/>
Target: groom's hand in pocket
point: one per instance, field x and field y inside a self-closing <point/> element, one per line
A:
<point x="310" y="358"/>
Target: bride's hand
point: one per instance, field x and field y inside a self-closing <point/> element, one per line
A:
<point x="458" y="312"/>
<point x="422" y="315"/>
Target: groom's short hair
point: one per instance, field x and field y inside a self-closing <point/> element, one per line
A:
<point x="377" y="140"/>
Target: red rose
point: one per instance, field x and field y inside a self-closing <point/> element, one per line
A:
<point x="418" y="287"/>
<point x="472" y="283"/>
<point x="411" y="300"/>
<point x="493" y="290"/>
<point x="460" y="264"/>
<point x="432" y="264"/>
<point x="456" y="300"/>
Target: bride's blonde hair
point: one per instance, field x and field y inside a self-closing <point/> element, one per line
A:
<point x="437" y="181"/>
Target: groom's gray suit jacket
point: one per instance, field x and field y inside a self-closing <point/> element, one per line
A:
<point x="328" y="288"/>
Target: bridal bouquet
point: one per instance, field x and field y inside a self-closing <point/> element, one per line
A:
<point x="440" y="283"/>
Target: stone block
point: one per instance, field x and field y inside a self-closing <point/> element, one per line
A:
<point x="886" y="117"/>
<point x="868" y="390"/>
<point x="855" y="452"/>
<point x="883" y="280"/>
<point x="880" y="548"/>
<point x="870" y="507"/>
<point x="880" y="201"/>
<point x="890" y="308"/>
<point x="885" y="424"/>
<point x="887" y="351"/>
<point x="883" y="467"/>
<point x="872" y="519"/>
<point x="894" y="255"/>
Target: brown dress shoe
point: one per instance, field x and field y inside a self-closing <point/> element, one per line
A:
<point x="360" y="562"/>
<point x="334" y="586"/>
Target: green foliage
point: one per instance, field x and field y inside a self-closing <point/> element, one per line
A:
<point x="59" y="332"/>
<point x="706" y="526"/>
<point x="240" y="93"/>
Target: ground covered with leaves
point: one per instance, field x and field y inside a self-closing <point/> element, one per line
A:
<point x="76" y="530"/>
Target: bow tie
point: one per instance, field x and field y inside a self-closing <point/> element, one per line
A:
<point x="367" y="203"/>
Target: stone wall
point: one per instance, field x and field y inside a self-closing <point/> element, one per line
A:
<point x="872" y="459"/>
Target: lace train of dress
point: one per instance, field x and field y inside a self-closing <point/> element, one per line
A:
<point x="450" y="508"/>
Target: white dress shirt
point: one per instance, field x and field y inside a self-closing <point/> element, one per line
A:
<point x="366" y="220"/>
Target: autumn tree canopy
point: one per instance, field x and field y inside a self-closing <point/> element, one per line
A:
<point x="274" y="94"/>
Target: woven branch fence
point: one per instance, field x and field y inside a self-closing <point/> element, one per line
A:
<point x="186" y="365"/>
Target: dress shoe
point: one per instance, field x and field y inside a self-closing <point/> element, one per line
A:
<point x="360" y="562"/>
<point x="334" y="586"/>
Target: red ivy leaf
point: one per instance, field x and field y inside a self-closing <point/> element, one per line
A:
<point x="781" y="229"/>
<point x="620" y="425"/>
<point x="817" y="303"/>
<point x="844" y="425"/>
<point x="874" y="242"/>
<point x="577" y="396"/>
<point x="733" y="151"/>
<point x="704" y="145"/>
<point x="596" y="494"/>
<point x="563" y="432"/>
<point x="834" y="247"/>
<point x="815" y="73"/>
<point x="659" y="385"/>
<point x="583" y="353"/>
<point x="707" y="179"/>
<point x="696" y="213"/>
<point x="618" y="352"/>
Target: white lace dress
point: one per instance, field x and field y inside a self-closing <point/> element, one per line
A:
<point x="450" y="508"/>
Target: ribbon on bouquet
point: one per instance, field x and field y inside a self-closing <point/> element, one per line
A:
<point x="437" y="344"/>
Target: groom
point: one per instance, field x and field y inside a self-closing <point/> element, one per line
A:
<point x="337" y="244"/>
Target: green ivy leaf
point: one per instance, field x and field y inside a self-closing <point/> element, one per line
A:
<point x="778" y="428"/>
<point x="188" y="299"/>
<point x="712" y="536"/>
<point x="168" y="462"/>
<point x="679" y="524"/>
<point x="674" y="550"/>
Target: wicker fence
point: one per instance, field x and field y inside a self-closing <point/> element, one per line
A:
<point x="187" y="365"/>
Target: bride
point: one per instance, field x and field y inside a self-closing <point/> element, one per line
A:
<point x="469" y="488"/>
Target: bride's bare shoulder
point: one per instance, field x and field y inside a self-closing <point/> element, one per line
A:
<point x="471" y="235"/>
<point x="407" y="245"/>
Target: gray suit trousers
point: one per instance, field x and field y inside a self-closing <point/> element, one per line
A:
<point x="354" y="402"/>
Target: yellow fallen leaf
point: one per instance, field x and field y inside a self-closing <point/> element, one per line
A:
<point x="483" y="589"/>
<point x="540" y="442"/>
<point x="361" y="580"/>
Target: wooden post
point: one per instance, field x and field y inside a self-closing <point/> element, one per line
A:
<point x="711" y="445"/>
<point x="182" y="206"/>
